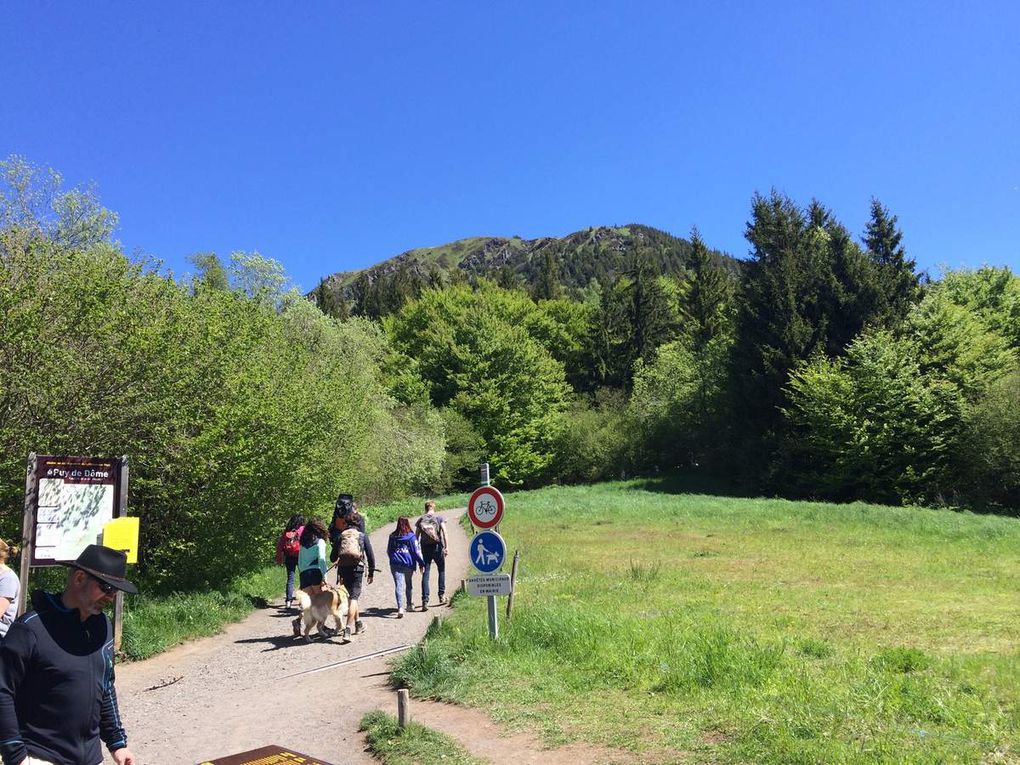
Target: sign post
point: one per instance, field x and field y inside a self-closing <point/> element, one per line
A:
<point x="27" y="530"/>
<point x="487" y="549"/>
<point x="69" y="501"/>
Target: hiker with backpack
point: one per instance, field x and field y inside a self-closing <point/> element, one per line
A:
<point x="351" y="552"/>
<point x="288" y="547"/>
<point x="312" y="564"/>
<point x="405" y="555"/>
<point x="430" y="530"/>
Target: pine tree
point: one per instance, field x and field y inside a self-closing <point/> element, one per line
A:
<point x="900" y="282"/>
<point x="547" y="286"/>
<point x="649" y="309"/>
<point x="706" y="306"/>
<point x="331" y="301"/>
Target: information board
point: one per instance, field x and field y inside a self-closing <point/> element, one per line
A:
<point x="75" y="498"/>
<point x="267" y="755"/>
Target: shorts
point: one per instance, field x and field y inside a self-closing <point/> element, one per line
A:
<point x="352" y="577"/>
<point x="309" y="577"/>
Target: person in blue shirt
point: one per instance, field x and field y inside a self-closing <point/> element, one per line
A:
<point x="405" y="555"/>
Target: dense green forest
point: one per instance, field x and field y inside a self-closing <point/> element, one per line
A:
<point x="822" y="366"/>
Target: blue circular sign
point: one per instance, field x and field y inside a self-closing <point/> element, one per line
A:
<point x="487" y="551"/>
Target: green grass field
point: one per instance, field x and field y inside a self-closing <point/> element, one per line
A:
<point x="692" y="628"/>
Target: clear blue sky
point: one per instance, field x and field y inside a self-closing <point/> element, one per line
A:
<point x="330" y="136"/>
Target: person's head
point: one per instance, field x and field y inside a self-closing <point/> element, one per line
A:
<point x="314" y="531"/>
<point x="344" y="504"/>
<point x="430" y="507"/>
<point x="403" y="526"/>
<point x="7" y="551"/>
<point x="296" y="521"/>
<point x="94" y="579"/>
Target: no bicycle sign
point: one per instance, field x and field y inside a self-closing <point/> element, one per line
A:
<point x="485" y="508"/>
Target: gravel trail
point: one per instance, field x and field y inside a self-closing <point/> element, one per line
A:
<point x="241" y="690"/>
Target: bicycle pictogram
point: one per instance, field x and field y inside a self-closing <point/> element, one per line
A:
<point x="485" y="508"/>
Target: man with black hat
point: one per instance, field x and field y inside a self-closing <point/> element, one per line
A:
<point x="57" y="696"/>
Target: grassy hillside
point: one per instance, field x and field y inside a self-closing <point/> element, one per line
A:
<point x="711" y="629"/>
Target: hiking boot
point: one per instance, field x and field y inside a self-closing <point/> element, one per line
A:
<point x="359" y="627"/>
<point x="347" y="634"/>
<point x="442" y="600"/>
<point x="424" y="606"/>
<point x="296" y="624"/>
<point x="400" y="613"/>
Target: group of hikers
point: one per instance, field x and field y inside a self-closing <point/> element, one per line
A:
<point x="301" y="548"/>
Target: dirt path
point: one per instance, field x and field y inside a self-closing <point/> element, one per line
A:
<point x="242" y="689"/>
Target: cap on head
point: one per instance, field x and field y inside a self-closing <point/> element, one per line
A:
<point x="106" y="565"/>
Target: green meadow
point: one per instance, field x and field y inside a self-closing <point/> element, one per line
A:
<point x="692" y="628"/>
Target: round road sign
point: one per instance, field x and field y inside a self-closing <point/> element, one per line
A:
<point x="487" y="551"/>
<point x="485" y="507"/>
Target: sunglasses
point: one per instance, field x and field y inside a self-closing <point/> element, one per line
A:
<point x="106" y="587"/>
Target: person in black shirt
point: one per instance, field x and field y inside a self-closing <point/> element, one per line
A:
<point x="57" y="695"/>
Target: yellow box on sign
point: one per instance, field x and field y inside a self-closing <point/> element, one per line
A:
<point x="122" y="534"/>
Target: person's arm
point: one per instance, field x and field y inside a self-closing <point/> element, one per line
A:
<point x="16" y="654"/>
<point x="111" y="730"/>
<point x="416" y="552"/>
<point x="443" y="538"/>
<point x="369" y="555"/>
<point x="5" y="603"/>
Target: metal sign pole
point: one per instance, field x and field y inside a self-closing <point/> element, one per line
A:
<point x="119" y="511"/>
<point x="493" y="618"/>
<point x="493" y="615"/>
<point x="27" y="529"/>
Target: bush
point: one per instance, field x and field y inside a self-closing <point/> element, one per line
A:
<point x="593" y="443"/>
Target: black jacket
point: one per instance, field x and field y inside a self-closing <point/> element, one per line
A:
<point x="57" y="698"/>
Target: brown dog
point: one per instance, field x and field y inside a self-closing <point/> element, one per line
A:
<point x="317" y="608"/>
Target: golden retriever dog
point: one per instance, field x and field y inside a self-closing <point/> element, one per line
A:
<point x="317" y="608"/>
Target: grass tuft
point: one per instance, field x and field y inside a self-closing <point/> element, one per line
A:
<point x="413" y="745"/>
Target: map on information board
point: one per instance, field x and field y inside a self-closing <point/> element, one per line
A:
<point x="75" y="498"/>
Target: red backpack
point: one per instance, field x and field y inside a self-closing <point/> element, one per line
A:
<point x="292" y="543"/>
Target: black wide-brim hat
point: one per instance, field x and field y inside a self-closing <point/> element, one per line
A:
<point x="106" y="565"/>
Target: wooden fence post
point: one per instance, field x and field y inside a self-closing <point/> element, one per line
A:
<point x="403" y="707"/>
<point x="513" y="585"/>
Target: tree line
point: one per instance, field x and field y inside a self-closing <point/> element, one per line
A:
<point x="823" y="366"/>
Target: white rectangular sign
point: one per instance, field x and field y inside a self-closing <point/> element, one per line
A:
<point x="489" y="584"/>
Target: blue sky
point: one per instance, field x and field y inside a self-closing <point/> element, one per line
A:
<point x="331" y="136"/>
